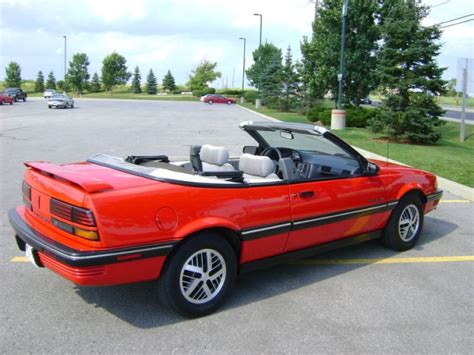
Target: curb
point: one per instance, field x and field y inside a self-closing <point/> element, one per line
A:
<point x="445" y="184"/>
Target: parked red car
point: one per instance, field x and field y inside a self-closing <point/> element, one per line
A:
<point x="5" y="99"/>
<point x="195" y="225"/>
<point x="217" y="99"/>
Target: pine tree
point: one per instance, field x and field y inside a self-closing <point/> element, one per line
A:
<point x="136" y="80"/>
<point x="39" y="83"/>
<point x="51" y="81"/>
<point x="13" y="75"/>
<point x="321" y="54"/>
<point x="151" y="87"/>
<point x="290" y="80"/>
<point x="409" y="73"/>
<point x="169" y="84"/>
<point x="94" y="85"/>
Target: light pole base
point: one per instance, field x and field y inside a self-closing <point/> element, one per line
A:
<point x="338" y="119"/>
<point x="242" y="100"/>
<point x="258" y="103"/>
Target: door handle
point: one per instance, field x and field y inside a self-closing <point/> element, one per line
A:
<point x="306" y="194"/>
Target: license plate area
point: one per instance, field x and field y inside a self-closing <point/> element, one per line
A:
<point x="32" y="255"/>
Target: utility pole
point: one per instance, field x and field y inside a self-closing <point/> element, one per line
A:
<point x="463" y="108"/>
<point x="243" y="69"/>
<point x="258" y="101"/>
<point x="65" y="44"/>
<point x="338" y="117"/>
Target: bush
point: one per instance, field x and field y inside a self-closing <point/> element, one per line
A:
<point x="231" y="92"/>
<point x="204" y="91"/>
<point x="321" y="114"/>
<point x="250" y="96"/>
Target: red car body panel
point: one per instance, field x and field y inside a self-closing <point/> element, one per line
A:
<point x="218" y="99"/>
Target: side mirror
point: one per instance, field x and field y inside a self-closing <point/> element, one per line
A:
<point x="372" y="169"/>
<point x="250" y="149"/>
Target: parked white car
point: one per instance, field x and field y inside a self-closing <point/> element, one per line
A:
<point x="60" y="100"/>
<point x="49" y="93"/>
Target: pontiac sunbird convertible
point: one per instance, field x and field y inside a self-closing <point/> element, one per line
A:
<point x="194" y="225"/>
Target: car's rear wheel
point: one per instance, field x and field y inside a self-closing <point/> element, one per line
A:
<point x="210" y="102"/>
<point x="24" y="99"/>
<point x="49" y="106"/>
<point x="229" y="102"/>
<point x="198" y="276"/>
<point x="405" y="224"/>
<point x="11" y="102"/>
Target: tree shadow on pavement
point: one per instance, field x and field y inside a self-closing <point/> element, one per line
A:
<point x="138" y="304"/>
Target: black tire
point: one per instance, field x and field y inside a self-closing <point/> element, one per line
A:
<point x="24" y="99"/>
<point x="229" y="102"/>
<point x="49" y="106"/>
<point x="16" y="100"/>
<point x="173" y="279"/>
<point x="393" y="236"/>
<point x="72" y="106"/>
<point x="11" y="102"/>
<point x="210" y="102"/>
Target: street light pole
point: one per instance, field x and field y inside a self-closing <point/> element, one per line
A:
<point x="243" y="69"/>
<point x="340" y="77"/>
<point x="258" y="102"/>
<point x="65" y="43"/>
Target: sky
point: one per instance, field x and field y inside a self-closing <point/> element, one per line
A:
<point x="177" y="34"/>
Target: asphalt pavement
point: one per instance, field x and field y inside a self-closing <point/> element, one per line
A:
<point x="363" y="299"/>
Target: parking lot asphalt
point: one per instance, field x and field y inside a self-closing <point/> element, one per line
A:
<point x="363" y="299"/>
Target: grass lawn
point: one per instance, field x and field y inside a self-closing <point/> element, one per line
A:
<point x="448" y="158"/>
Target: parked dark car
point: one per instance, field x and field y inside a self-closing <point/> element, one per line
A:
<point x="5" y="99"/>
<point x="17" y="94"/>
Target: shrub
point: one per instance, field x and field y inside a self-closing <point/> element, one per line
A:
<point x="231" y="92"/>
<point x="319" y="113"/>
<point x="359" y="117"/>
<point x="204" y="91"/>
<point x="250" y="96"/>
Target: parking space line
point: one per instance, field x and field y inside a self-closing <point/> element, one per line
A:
<point x="432" y="259"/>
<point x="454" y="201"/>
<point x="19" y="259"/>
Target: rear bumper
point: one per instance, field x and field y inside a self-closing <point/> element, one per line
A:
<point x="92" y="267"/>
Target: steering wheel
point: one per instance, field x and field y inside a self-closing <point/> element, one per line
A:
<point x="270" y="152"/>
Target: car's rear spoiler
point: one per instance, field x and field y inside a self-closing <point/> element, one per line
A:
<point x="87" y="183"/>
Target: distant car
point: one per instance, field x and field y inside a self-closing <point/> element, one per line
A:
<point x="49" y="93"/>
<point x="60" y="100"/>
<point x="16" y="94"/>
<point x="217" y="99"/>
<point x="4" y="98"/>
<point x="366" y="101"/>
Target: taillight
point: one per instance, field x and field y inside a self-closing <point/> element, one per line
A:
<point x="26" y="190"/>
<point x="77" y="215"/>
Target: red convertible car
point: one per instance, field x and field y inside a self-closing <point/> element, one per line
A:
<point x="194" y="225"/>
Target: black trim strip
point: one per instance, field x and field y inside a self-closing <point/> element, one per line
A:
<point x="266" y="231"/>
<point x="75" y="257"/>
<point x="307" y="252"/>
<point x="287" y="226"/>
<point x="435" y="195"/>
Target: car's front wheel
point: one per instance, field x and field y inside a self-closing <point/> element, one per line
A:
<point x="229" y="102"/>
<point x="49" y="106"/>
<point x="405" y="224"/>
<point x="210" y="102"/>
<point x="198" y="276"/>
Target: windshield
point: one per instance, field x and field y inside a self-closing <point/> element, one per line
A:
<point x="59" y="97"/>
<point x="302" y="141"/>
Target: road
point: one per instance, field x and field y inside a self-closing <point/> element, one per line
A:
<point x="365" y="299"/>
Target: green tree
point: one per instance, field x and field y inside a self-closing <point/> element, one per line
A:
<point x="321" y="54"/>
<point x="51" y="81"/>
<point x="410" y="76"/>
<point x="169" y="84"/>
<point x="151" y="87"/>
<point x="94" y="85"/>
<point x="61" y="85"/>
<point x="13" y="75"/>
<point x="267" y="71"/>
<point x="77" y="74"/>
<point x="291" y="81"/>
<point x="39" y="83"/>
<point x="203" y="75"/>
<point x="451" y="87"/>
<point x="114" y="71"/>
<point x="136" y="80"/>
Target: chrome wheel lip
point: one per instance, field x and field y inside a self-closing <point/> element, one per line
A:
<point x="202" y="276"/>
<point x="409" y="223"/>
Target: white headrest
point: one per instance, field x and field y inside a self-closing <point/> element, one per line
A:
<point x="256" y="165"/>
<point x="214" y="155"/>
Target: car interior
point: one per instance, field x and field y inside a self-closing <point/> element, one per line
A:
<point x="270" y="165"/>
